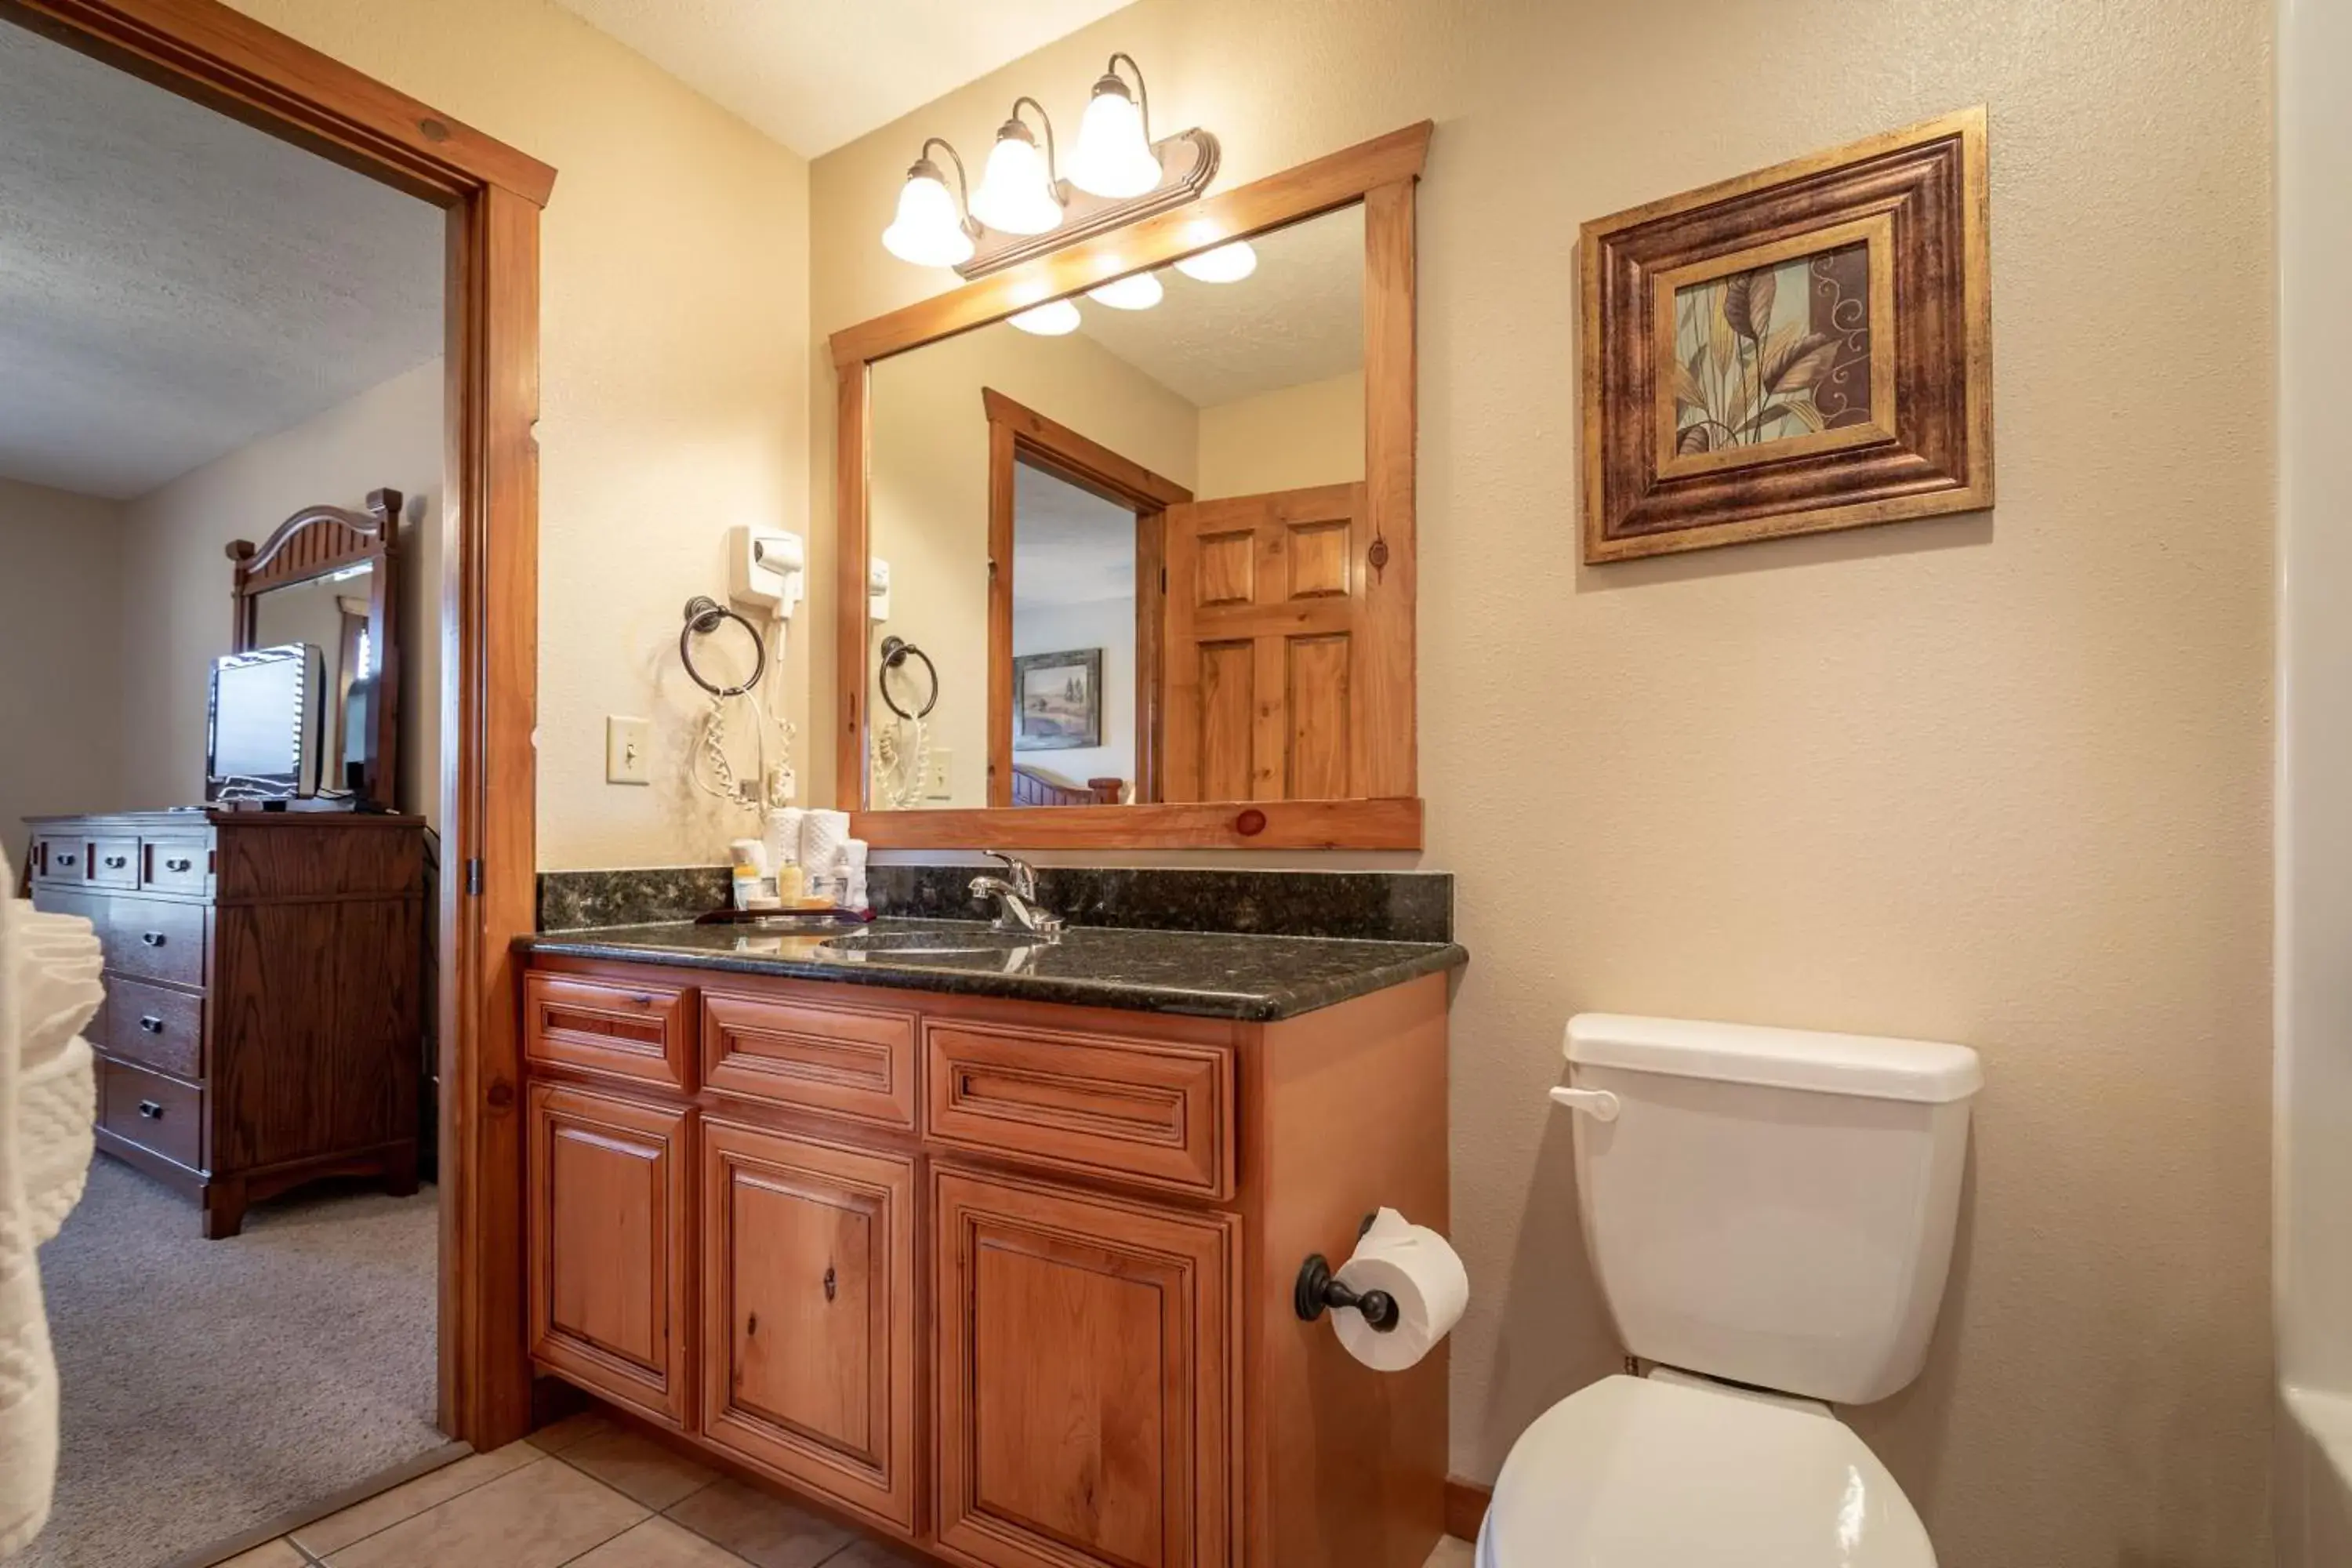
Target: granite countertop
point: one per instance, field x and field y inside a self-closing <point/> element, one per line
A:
<point x="1205" y="974"/>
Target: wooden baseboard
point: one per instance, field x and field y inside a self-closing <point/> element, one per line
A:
<point x="1465" y="1507"/>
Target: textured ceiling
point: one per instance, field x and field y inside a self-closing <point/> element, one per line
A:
<point x="1069" y="545"/>
<point x="174" y="285"/>
<point x="816" y="73"/>
<point x="1298" y="317"/>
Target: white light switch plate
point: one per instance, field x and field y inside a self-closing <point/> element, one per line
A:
<point x="628" y="751"/>
<point x="941" y="785"/>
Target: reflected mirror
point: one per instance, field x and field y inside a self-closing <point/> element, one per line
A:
<point x="1120" y="546"/>
<point x="331" y="614"/>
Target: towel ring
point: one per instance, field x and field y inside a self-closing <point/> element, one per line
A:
<point x="704" y="615"/>
<point x="896" y="651"/>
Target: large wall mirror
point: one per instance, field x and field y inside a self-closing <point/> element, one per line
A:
<point x="1131" y="529"/>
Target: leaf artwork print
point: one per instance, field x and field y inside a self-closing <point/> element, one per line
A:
<point x="1772" y="353"/>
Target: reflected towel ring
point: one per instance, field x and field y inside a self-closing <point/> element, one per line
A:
<point x="704" y="615"/>
<point x="896" y="651"/>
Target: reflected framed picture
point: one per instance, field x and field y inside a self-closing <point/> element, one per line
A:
<point x="1058" y="701"/>
<point x="1803" y="348"/>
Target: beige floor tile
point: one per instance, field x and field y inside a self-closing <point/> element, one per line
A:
<point x="278" y="1553"/>
<point x="873" y="1553"/>
<point x="638" y="1467"/>
<point x="1451" y="1553"/>
<point x="386" y="1510"/>
<point x="658" y="1543"/>
<point x="558" y="1436"/>
<point x="764" y="1530"/>
<point x="543" y="1514"/>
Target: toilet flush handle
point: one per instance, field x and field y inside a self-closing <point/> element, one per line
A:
<point x="1598" y="1103"/>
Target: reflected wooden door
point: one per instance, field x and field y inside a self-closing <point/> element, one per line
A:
<point x="1272" y="690"/>
<point x="1086" y="1352"/>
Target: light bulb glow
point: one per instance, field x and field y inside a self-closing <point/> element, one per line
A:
<point x="1140" y="292"/>
<point x="1113" y="159"/>
<point x="927" y="231"/>
<point x="1053" y="318"/>
<point x="1226" y="264"/>
<point x="1014" y="194"/>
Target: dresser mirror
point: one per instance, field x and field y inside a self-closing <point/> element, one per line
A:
<point x="325" y="578"/>
<point x="1131" y="530"/>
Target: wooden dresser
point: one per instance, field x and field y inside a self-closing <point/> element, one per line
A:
<point x="263" y="1022"/>
<point x="1010" y="1281"/>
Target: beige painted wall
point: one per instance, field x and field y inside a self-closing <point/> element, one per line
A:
<point x="60" y="661"/>
<point x="674" y="335"/>
<point x="930" y="474"/>
<point x="1286" y="439"/>
<point x="2001" y="779"/>
<point x="175" y="580"/>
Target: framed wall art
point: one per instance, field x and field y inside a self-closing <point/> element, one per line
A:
<point x="1058" y="701"/>
<point x="1802" y="349"/>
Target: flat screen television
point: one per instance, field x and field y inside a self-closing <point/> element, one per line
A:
<point x="263" y="734"/>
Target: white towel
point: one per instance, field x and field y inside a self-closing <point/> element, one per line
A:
<point x="49" y="968"/>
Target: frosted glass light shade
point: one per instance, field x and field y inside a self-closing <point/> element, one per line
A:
<point x="1113" y="159"/>
<point x="927" y="231"/>
<point x="1140" y="292"/>
<point x="1055" y="318"/>
<point x="1016" y="196"/>
<point x="1226" y="264"/>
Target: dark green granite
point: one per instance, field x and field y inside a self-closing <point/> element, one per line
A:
<point x="569" y="901"/>
<point x="1373" y="906"/>
<point x="1205" y="975"/>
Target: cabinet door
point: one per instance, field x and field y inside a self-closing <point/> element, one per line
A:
<point x="1087" y="1358"/>
<point x="609" y="1232"/>
<point x="808" y="1314"/>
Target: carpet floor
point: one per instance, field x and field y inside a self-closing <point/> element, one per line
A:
<point x="211" y="1387"/>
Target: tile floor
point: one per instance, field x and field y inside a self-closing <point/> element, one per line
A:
<point x="587" y="1493"/>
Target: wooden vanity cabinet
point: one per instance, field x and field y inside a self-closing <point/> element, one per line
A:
<point x="1009" y="1281"/>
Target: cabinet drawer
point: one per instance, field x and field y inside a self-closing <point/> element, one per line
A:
<point x="1153" y="1112"/>
<point x="155" y="1028"/>
<point x="174" y="865"/>
<point x="114" y="862"/>
<point x="60" y="858"/>
<point x="631" y="1031"/>
<point x="852" y="1061"/>
<point x="153" y="1111"/>
<point x="148" y="939"/>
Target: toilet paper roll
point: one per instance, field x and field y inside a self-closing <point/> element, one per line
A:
<point x="823" y="833"/>
<point x="784" y="837"/>
<point x="1414" y="1264"/>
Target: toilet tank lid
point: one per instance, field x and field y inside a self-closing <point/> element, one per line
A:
<point x="1867" y="1066"/>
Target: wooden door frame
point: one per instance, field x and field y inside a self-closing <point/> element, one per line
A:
<point x="1016" y="435"/>
<point x="1382" y="174"/>
<point x="205" y="51"/>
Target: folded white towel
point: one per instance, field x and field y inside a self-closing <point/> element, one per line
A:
<point x="50" y="969"/>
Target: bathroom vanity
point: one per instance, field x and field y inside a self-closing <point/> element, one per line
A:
<point x="992" y="1244"/>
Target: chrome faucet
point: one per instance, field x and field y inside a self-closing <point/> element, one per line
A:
<point x="1015" y="893"/>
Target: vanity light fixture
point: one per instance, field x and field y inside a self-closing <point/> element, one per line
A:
<point x="930" y="229"/>
<point x="1023" y="208"/>
<point x="1226" y="264"/>
<point x="1114" y="156"/>
<point x="1053" y="318"/>
<point x="1138" y="292"/>
<point x="1020" y="192"/>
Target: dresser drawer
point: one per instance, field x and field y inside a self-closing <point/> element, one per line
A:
<point x="60" y="859"/>
<point x="174" y="865"/>
<point x="114" y="862"/>
<point x="155" y="1028"/>
<point x="630" y="1031"/>
<point x="851" y="1061"/>
<point x="148" y="939"/>
<point x="153" y="1111"/>
<point x="1157" y="1113"/>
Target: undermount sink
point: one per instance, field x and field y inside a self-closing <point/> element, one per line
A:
<point x="926" y="944"/>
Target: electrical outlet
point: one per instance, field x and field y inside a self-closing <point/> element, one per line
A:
<point x="628" y="751"/>
<point x="941" y="785"/>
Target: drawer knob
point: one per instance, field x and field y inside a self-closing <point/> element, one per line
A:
<point x="66" y="858"/>
<point x="151" y="1111"/>
<point x="116" y="862"/>
<point x="828" y="1281"/>
<point x="179" y="863"/>
<point x="151" y="1024"/>
<point x="151" y="938"/>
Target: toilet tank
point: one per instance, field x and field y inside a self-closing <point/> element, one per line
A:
<point x="1771" y="1207"/>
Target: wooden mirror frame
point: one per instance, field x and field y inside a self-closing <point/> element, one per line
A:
<point x="1382" y="174"/>
<point x="312" y="544"/>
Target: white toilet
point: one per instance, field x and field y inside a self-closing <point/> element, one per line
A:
<point x="1771" y="1208"/>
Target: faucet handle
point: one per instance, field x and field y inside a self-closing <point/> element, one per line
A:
<point x="1019" y="872"/>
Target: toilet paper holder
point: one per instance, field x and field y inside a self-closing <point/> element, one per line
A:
<point x="1317" y="1288"/>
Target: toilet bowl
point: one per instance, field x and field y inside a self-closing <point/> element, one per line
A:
<point x="1769" y="1215"/>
